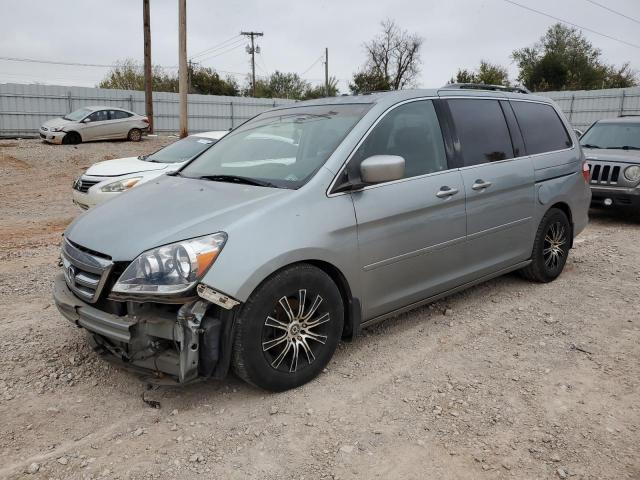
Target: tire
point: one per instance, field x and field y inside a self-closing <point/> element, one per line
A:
<point x="134" y="135"/>
<point x="275" y="348"/>
<point x="550" y="248"/>
<point x="72" y="138"/>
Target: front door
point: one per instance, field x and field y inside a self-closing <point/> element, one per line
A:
<point x="95" y="126"/>
<point x="411" y="232"/>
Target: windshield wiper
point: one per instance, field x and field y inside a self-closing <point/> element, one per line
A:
<point x="237" y="179"/>
<point x="590" y="145"/>
<point x="625" y="147"/>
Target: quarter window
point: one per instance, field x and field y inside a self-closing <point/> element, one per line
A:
<point x="541" y="127"/>
<point x="482" y="130"/>
<point x="411" y="131"/>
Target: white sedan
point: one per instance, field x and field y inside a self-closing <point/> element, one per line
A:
<point x="104" y="180"/>
<point x="94" y="123"/>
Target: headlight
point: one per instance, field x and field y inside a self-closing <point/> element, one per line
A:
<point x="121" y="185"/>
<point x="172" y="268"/>
<point x="632" y="173"/>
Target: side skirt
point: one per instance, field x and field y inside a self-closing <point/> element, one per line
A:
<point x="446" y="293"/>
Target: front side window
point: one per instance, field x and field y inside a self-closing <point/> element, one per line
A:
<point x="618" y="135"/>
<point x="281" y="148"/>
<point x="411" y="131"/>
<point x="541" y="127"/>
<point x="182" y="150"/>
<point x="482" y="130"/>
<point x="99" y="116"/>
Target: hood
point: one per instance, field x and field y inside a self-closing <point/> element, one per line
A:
<point x="124" y="166"/>
<point x="167" y="210"/>
<point x="612" y="155"/>
<point x="57" y="122"/>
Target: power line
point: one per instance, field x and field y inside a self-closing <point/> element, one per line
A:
<point x="613" y="11"/>
<point x="71" y="64"/>
<point x="572" y="24"/>
<point x="217" y="54"/>
<point x="217" y="46"/>
<point x="313" y="64"/>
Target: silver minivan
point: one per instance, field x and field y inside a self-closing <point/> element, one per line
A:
<point x="311" y="221"/>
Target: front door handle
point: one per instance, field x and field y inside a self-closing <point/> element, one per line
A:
<point x="446" y="191"/>
<point x="480" y="185"/>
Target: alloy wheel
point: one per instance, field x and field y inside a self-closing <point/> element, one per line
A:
<point x="295" y="331"/>
<point x="554" y="245"/>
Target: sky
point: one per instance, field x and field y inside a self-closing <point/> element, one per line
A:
<point x="456" y="33"/>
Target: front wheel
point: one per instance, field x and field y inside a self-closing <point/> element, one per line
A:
<point x="288" y="330"/>
<point x="550" y="248"/>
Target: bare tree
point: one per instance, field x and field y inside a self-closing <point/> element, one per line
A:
<point x="394" y="55"/>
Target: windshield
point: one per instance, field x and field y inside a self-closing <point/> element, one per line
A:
<point x="281" y="148"/>
<point x="78" y="114"/>
<point x="612" y="135"/>
<point x="182" y="150"/>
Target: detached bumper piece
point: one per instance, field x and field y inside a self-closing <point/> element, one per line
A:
<point x="161" y="341"/>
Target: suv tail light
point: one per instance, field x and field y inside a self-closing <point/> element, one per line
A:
<point x="586" y="173"/>
<point x="145" y="120"/>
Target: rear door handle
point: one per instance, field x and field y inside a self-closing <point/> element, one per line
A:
<point x="446" y="191"/>
<point x="480" y="185"/>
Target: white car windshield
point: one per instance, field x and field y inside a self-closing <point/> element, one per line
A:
<point x="181" y="151"/>
<point x="625" y="136"/>
<point x="281" y="148"/>
<point x="78" y="115"/>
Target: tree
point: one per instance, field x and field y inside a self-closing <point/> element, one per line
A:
<point x="320" y="91"/>
<point x="393" y="60"/>
<point x="487" y="73"/>
<point x="563" y="59"/>
<point x="129" y="75"/>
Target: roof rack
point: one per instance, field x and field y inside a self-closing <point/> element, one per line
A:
<point x="482" y="86"/>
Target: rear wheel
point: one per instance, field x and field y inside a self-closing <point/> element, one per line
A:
<point x="135" y="135"/>
<point x="71" y="138"/>
<point x="550" y="249"/>
<point x="288" y="330"/>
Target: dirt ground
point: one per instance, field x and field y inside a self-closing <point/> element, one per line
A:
<point x="506" y="380"/>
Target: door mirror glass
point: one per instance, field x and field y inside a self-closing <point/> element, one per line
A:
<point x="382" y="168"/>
<point x="86" y="120"/>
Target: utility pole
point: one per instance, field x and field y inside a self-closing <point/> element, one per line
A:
<point x="253" y="49"/>
<point x="183" y="80"/>
<point x="326" y="70"/>
<point x="148" y="79"/>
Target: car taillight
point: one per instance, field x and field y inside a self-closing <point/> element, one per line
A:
<point x="145" y="120"/>
<point x="586" y="173"/>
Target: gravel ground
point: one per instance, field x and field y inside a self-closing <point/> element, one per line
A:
<point x="506" y="380"/>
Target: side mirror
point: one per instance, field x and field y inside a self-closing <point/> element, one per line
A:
<point x="382" y="168"/>
<point x="86" y="120"/>
<point x="577" y="132"/>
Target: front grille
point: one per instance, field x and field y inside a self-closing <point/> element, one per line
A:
<point x="85" y="272"/>
<point x="604" y="174"/>
<point x="83" y="184"/>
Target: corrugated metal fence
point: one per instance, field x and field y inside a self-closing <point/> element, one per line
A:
<point x="23" y="108"/>
<point x="583" y="107"/>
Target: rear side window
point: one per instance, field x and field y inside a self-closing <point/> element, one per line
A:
<point x="482" y="130"/>
<point x="118" y="114"/>
<point x="541" y="127"/>
<point x="411" y="131"/>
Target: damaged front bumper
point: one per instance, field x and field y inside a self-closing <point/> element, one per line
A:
<point x="181" y="343"/>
